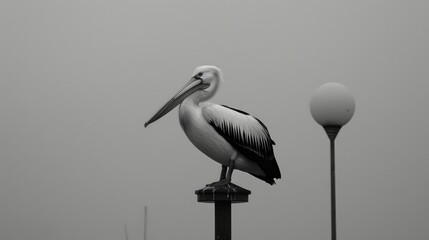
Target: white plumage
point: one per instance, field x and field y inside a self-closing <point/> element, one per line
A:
<point x="229" y="136"/>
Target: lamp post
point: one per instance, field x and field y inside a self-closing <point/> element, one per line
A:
<point x="332" y="106"/>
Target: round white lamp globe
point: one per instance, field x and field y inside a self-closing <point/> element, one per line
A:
<point x="332" y="105"/>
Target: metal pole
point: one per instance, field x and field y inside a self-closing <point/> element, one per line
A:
<point x="222" y="220"/>
<point x="222" y="197"/>
<point x="332" y="132"/>
<point x="126" y="232"/>
<point x="333" y="198"/>
<point x="145" y="223"/>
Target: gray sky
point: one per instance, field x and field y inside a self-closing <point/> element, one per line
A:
<point x="79" y="78"/>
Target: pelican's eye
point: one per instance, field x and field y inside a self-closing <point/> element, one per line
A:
<point x="198" y="76"/>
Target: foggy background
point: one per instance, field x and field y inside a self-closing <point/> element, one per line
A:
<point x="79" y="78"/>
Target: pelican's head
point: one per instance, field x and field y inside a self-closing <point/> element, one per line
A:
<point x="210" y="75"/>
<point x="204" y="83"/>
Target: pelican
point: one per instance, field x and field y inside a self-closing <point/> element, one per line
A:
<point x="227" y="135"/>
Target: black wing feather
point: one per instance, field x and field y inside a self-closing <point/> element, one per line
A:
<point x="259" y="150"/>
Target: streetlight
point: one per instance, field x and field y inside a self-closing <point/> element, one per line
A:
<point x="332" y="106"/>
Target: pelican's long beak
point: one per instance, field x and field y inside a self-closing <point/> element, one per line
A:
<point x="192" y="86"/>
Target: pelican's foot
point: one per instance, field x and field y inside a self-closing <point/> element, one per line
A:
<point x="220" y="183"/>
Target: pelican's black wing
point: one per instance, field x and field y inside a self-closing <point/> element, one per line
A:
<point x="247" y="134"/>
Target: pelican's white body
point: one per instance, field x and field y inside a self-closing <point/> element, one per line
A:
<point x="207" y="140"/>
<point x="229" y="136"/>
